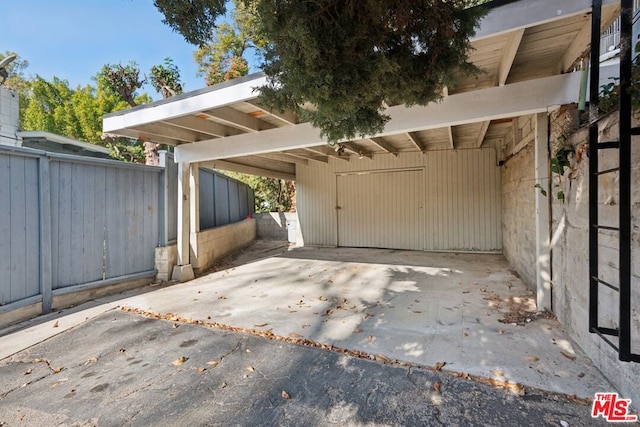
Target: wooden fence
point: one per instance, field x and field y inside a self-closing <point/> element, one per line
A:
<point x="70" y="223"/>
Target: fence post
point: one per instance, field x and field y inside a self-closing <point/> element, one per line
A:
<point x="44" y="195"/>
<point x="163" y="202"/>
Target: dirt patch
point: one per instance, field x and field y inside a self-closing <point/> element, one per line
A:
<point x="523" y="310"/>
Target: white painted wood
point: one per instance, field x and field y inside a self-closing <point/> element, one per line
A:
<point x="183" y="213"/>
<point x="482" y="133"/>
<point x="509" y="55"/>
<point x="189" y="104"/>
<point x="452" y="143"/>
<point x="252" y="170"/>
<point x="230" y="117"/>
<point x="415" y="140"/>
<point x="528" y="13"/>
<point x="203" y="126"/>
<point x="384" y="145"/>
<point x="543" y="253"/>
<point x="487" y="104"/>
<point x="194" y="197"/>
<point x="286" y="158"/>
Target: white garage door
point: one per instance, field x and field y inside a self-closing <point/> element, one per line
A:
<point x="452" y="203"/>
<point x="381" y="209"/>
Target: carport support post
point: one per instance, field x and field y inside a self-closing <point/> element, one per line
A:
<point x="543" y="228"/>
<point x="183" y="271"/>
<point x="194" y="210"/>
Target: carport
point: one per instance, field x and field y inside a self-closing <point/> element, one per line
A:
<point x="431" y="181"/>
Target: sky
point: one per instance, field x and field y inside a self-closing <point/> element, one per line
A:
<point x="73" y="39"/>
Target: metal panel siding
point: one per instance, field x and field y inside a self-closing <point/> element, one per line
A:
<point x="460" y="189"/>
<point x="221" y="200"/>
<point x="234" y="208"/>
<point x="207" y="205"/>
<point x="395" y="219"/>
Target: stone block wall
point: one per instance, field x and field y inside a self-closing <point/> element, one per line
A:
<point x="518" y="203"/>
<point x="570" y="256"/>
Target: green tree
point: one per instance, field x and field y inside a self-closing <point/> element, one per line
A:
<point x="271" y="195"/>
<point x="124" y="81"/>
<point x="224" y="58"/>
<point x="348" y="59"/>
<point x="165" y="78"/>
<point x="54" y="107"/>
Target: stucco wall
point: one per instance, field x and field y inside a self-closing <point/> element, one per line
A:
<point x="518" y="206"/>
<point x="570" y="260"/>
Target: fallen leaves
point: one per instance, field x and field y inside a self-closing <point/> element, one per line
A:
<point x="438" y="366"/>
<point x="369" y="338"/>
<point x="532" y="358"/>
<point x="357" y="330"/>
<point x="295" y="336"/>
<point x="260" y="325"/>
<point x="28" y="371"/>
<point x="179" y="361"/>
<point x="250" y="368"/>
<point x="212" y="362"/>
<point x="285" y="395"/>
<point x="567" y="355"/>
<point x="92" y="360"/>
<point x="436" y="387"/>
<point x="55" y="325"/>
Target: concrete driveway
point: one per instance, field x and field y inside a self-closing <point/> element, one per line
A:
<point x="466" y="311"/>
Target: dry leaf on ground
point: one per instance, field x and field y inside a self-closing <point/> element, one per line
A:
<point x="439" y="365"/>
<point x="179" y="361"/>
<point x="568" y="356"/>
<point x="250" y="368"/>
<point x="295" y="335"/>
<point x="357" y="330"/>
<point x="532" y="358"/>
<point x="55" y="325"/>
<point x="436" y="386"/>
<point x="212" y="362"/>
<point x="285" y="395"/>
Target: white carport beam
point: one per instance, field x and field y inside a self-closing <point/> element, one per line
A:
<point x="286" y="158"/>
<point x="517" y="99"/>
<point x="203" y="126"/>
<point x="234" y="118"/>
<point x="509" y="56"/>
<point x="543" y="229"/>
<point x="191" y="103"/>
<point x="528" y="13"/>
<point x="452" y="143"/>
<point x="286" y="116"/>
<point x="415" y="140"/>
<point x="483" y="132"/>
<point x="384" y="145"/>
<point x="251" y="170"/>
<point x="360" y="152"/>
<point x="328" y="153"/>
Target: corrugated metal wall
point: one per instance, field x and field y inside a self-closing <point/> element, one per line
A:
<point x="460" y="190"/>
<point x="223" y="200"/>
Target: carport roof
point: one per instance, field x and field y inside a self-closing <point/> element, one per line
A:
<point x="527" y="49"/>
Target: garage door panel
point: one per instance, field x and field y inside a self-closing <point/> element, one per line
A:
<point x="380" y="209"/>
<point x="451" y="204"/>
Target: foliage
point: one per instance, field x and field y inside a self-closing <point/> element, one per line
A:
<point x="271" y="195"/>
<point x="609" y="96"/>
<point x="165" y="78"/>
<point x="348" y="59"/>
<point x="194" y="19"/>
<point x="121" y="80"/>
<point x="223" y="58"/>
<point x="338" y="63"/>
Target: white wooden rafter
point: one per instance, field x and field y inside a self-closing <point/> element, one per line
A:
<point x="516" y="99"/>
